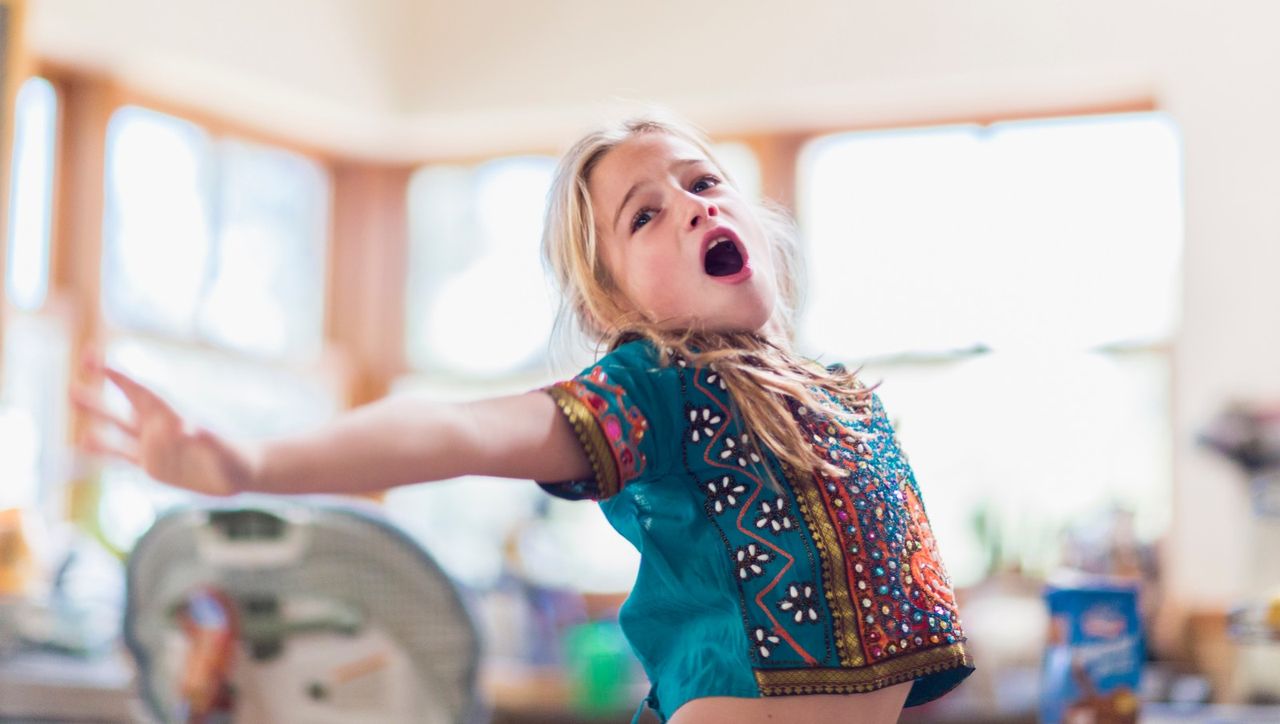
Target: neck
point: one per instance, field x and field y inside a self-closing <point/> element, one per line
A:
<point x="775" y="333"/>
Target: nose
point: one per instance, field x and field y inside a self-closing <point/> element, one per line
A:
<point x="702" y="212"/>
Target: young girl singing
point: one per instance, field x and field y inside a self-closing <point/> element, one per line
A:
<point x="788" y="571"/>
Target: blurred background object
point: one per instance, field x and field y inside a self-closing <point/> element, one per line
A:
<point x="1249" y="436"/>
<point x="297" y="611"/>
<point x="1093" y="661"/>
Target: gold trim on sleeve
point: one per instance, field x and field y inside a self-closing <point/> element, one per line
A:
<point x="784" y="682"/>
<point x="592" y="438"/>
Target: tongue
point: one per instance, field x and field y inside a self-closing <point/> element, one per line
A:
<point x="723" y="259"/>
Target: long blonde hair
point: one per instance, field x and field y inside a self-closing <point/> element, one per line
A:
<point x="767" y="382"/>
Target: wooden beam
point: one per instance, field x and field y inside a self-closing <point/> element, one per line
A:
<point x="368" y="263"/>
<point x="777" y="155"/>
<point x="75" y="262"/>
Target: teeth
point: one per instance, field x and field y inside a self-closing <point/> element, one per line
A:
<point x="718" y="242"/>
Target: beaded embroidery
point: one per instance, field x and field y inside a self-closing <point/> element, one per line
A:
<point x="890" y="600"/>
<point x="889" y="607"/>
<point x="609" y="429"/>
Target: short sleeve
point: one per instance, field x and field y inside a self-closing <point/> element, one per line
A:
<point x="606" y="405"/>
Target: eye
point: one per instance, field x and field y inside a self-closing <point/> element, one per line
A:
<point x="642" y="217"/>
<point x="704" y="183"/>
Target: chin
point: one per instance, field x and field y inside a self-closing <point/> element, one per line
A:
<point x="760" y="316"/>
<point x="757" y="320"/>
<point x="752" y="314"/>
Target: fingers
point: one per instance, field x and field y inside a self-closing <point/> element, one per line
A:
<point x="142" y="399"/>
<point x="87" y="401"/>
<point x="95" y="445"/>
<point x="97" y="412"/>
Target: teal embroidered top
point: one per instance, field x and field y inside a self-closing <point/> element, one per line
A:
<point x="834" y="586"/>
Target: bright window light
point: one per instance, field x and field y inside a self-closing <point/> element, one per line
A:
<point x="30" y="193"/>
<point x="1062" y="234"/>
<point x="157" y="231"/>
<point x="266" y="288"/>
<point x="221" y="242"/>
<point x="480" y="304"/>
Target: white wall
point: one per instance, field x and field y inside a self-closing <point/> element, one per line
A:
<point x="406" y="79"/>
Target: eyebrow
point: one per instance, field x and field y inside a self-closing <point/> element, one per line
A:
<point x="626" y="199"/>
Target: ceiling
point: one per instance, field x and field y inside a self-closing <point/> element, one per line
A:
<point x="404" y="80"/>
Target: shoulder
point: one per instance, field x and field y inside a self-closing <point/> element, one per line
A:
<point x="637" y="370"/>
<point x="637" y="355"/>
<point x="620" y="408"/>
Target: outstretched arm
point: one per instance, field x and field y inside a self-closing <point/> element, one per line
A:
<point x="395" y="441"/>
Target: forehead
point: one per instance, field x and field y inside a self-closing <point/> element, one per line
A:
<point x="646" y="156"/>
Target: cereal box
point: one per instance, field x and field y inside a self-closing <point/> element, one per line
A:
<point x="1093" y="661"/>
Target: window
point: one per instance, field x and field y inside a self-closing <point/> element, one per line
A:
<point x="213" y="270"/>
<point x="481" y="307"/>
<point x="1046" y="234"/>
<point x="31" y="187"/>
<point x="217" y="241"/>
<point x="33" y="414"/>
<point x="1025" y="272"/>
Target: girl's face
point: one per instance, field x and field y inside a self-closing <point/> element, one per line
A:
<point x="682" y="244"/>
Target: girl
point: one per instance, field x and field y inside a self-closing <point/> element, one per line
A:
<point x="788" y="570"/>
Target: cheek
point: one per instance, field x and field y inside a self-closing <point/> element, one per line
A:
<point x="631" y="273"/>
<point x="656" y="282"/>
<point x="656" y="279"/>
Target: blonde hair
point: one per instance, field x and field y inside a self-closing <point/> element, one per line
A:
<point x="767" y="382"/>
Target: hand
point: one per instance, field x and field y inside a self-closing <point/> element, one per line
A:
<point x="158" y="440"/>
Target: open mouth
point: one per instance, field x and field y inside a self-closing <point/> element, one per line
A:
<point x="723" y="257"/>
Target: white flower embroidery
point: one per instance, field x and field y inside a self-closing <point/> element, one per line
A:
<point x="751" y="561"/>
<point x="715" y="378"/>
<point x="774" y="515"/>
<point x="764" y="642"/>
<point x="723" y="493"/>
<point x="702" y="422"/>
<point x="800" y="603"/>
<point x="741" y="449"/>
